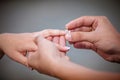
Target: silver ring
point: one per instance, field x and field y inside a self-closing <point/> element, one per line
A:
<point x="26" y="55"/>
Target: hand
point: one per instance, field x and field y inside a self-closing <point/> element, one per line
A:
<point x="96" y="33"/>
<point x="44" y="60"/>
<point x="55" y="63"/>
<point x="16" y="45"/>
<point x="55" y="36"/>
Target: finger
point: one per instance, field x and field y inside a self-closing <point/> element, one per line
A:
<point x="40" y="42"/>
<point x="84" y="45"/>
<point x="49" y="38"/>
<point x="50" y="32"/>
<point x="18" y="57"/>
<point x="82" y="21"/>
<point x="71" y="42"/>
<point x="30" y="47"/>
<point x="80" y="36"/>
<point x="62" y="48"/>
<point x="62" y="41"/>
<point x="56" y="40"/>
<point x="32" y="59"/>
<point x="83" y="29"/>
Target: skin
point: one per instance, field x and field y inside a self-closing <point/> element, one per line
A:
<point x="53" y="62"/>
<point x="89" y="32"/>
<point x="96" y="33"/>
<point x="16" y="45"/>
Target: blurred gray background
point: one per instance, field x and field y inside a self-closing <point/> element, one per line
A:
<point x="31" y="15"/>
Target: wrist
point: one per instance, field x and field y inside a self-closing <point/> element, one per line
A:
<point x="59" y="68"/>
<point x="66" y="70"/>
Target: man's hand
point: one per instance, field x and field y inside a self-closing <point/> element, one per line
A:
<point x="96" y="33"/>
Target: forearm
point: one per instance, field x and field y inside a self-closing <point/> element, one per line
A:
<point x="71" y="71"/>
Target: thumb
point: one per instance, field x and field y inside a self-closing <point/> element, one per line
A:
<point x="80" y="36"/>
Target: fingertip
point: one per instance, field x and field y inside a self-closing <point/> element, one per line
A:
<point x="62" y="48"/>
<point x="62" y="32"/>
<point x="66" y="26"/>
<point x="67" y="48"/>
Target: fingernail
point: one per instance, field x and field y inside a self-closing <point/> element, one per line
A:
<point x="66" y="47"/>
<point x="68" y="35"/>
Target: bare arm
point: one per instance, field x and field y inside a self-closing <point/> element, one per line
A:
<point x="54" y="63"/>
<point x="69" y="71"/>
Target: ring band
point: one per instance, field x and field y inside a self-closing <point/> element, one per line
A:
<point x="27" y="54"/>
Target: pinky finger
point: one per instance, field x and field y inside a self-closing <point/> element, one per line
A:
<point x="62" y="41"/>
<point x="62" y="48"/>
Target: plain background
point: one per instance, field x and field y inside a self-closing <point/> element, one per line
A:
<point x="30" y="16"/>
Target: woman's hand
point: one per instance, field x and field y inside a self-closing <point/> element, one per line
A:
<point x="48" y="59"/>
<point x="16" y="46"/>
<point x="44" y="60"/>
<point x="55" y="36"/>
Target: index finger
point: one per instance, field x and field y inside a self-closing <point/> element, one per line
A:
<point x="50" y="32"/>
<point x="82" y="21"/>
